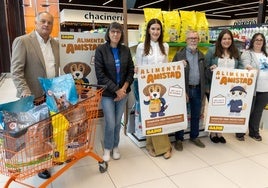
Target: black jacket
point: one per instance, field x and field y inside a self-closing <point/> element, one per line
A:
<point x="106" y="71"/>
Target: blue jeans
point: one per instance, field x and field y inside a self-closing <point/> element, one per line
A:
<point x="113" y="111"/>
<point x="195" y="108"/>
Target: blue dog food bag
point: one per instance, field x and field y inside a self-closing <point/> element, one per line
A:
<point x="60" y="92"/>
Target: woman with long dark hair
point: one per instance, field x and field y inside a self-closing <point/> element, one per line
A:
<point x="154" y="51"/>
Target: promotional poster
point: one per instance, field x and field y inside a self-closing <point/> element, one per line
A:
<point x="162" y="98"/>
<point x="230" y="100"/>
<point x="77" y="52"/>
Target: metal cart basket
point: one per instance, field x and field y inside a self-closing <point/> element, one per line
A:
<point x="63" y="138"/>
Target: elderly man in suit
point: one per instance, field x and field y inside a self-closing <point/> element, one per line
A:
<point x="35" y="55"/>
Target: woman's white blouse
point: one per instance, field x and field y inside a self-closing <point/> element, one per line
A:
<point x="262" y="80"/>
<point x="154" y="57"/>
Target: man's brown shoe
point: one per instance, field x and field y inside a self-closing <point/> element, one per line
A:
<point x="197" y="142"/>
<point x="178" y="145"/>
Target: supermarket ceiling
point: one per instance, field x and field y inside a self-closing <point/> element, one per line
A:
<point x="214" y="9"/>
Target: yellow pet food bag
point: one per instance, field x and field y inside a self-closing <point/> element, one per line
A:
<point x="202" y="27"/>
<point x="188" y="22"/>
<point x="150" y="13"/>
<point x="172" y="24"/>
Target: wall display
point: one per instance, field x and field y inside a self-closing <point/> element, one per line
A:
<point x="230" y="100"/>
<point x="162" y="98"/>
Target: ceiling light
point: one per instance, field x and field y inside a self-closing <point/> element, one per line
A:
<point x="245" y="13"/>
<point x="195" y="5"/>
<point x="107" y="2"/>
<point x="136" y="9"/>
<point x="82" y="5"/>
<point x="218" y="15"/>
<point x="234" y="10"/>
<point x="232" y="6"/>
<point x="150" y="3"/>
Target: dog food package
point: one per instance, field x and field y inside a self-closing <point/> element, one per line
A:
<point x="60" y="92"/>
<point x="142" y="31"/>
<point x="38" y="139"/>
<point x="150" y="13"/>
<point x="78" y="126"/>
<point x="172" y="24"/>
<point x="15" y="124"/>
<point x="202" y="27"/>
<point x="188" y="22"/>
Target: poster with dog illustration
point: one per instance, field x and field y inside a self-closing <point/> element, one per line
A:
<point x="162" y="98"/>
<point x="77" y="55"/>
<point x="230" y="100"/>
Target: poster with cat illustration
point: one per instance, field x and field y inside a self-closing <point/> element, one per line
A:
<point x="230" y="100"/>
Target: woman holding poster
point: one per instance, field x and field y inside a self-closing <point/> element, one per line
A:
<point x="256" y="58"/>
<point x="154" y="51"/>
<point x="223" y="54"/>
<point x="115" y="69"/>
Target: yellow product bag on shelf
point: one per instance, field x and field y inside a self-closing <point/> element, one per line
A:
<point x="202" y="27"/>
<point x="142" y="31"/>
<point x="150" y="13"/>
<point x="171" y="26"/>
<point x="188" y="22"/>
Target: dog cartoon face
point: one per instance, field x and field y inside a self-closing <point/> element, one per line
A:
<point x="78" y="70"/>
<point x="155" y="91"/>
<point x="154" y="98"/>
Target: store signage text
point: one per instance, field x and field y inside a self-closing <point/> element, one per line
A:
<point x="82" y="44"/>
<point x="117" y="17"/>
<point x="250" y="21"/>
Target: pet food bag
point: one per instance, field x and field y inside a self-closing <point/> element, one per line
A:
<point x="38" y="139"/>
<point x="78" y="126"/>
<point x="16" y="118"/>
<point x="188" y="22"/>
<point x="202" y="27"/>
<point x="150" y="13"/>
<point x="60" y="136"/>
<point x="142" y="31"/>
<point x="171" y="26"/>
<point x="60" y="92"/>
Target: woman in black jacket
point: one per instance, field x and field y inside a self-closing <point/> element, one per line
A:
<point x="115" y="69"/>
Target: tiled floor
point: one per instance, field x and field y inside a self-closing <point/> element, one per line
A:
<point x="232" y="165"/>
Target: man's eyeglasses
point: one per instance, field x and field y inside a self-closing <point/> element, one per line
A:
<point x="193" y="38"/>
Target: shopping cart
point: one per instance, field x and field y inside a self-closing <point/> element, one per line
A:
<point x="62" y="139"/>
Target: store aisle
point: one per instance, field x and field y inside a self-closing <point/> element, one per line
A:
<point x="232" y="165"/>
